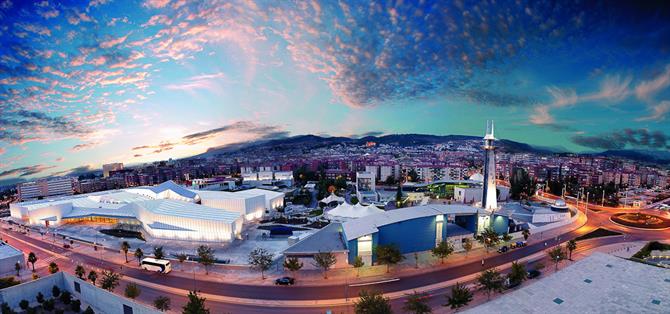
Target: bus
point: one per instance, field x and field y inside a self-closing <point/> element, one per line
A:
<point x="157" y="265"/>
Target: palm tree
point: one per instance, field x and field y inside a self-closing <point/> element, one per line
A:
<point x="416" y="303"/>
<point x="162" y="303"/>
<point x="490" y="280"/>
<point x="372" y="302"/>
<point x="517" y="274"/>
<point x="572" y="245"/>
<point x="53" y="268"/>
<point x="79" y="271"/>
<point x="32" y="258"/>
<point x="460" y="296"/>
<point x="125" y="246"/>
<point x="92" y="276"/>
<point x="139" y="254"/>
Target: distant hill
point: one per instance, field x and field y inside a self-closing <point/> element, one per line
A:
<point x="651" y="156"/>
<point x="405" y="140"/>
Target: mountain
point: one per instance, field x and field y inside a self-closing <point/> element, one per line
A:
<point x="651" y="156"/>
<point x="405" y="140"/>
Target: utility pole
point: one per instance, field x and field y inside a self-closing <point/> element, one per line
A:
<point x="603" y="204"/>
<point x="586" y="209"/>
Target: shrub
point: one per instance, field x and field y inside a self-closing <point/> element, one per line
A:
<point x="49" y="305"/>
<point x="24" y="304"/>
<point x="39" y="297"/>
<point x="55" y="291"/>
<point x="75" y="306"/>
<point x="66" y="297"/>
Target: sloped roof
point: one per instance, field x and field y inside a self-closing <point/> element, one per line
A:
<point x="188" y="210"/>
<point x="174" y="187"/>
<point x="328" y="239"/>
<point x="332" y="198"/>
<point x="369" y="224"/>
<point x="346" y="210"/>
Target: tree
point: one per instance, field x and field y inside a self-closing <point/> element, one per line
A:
<point x="132" y="291"/>
<point x="325" y="260"/>
<point x="162" y="303"/>
<point x="75" y="306"/>
<point x="460" y="296"/>
<point x="489" y="238"/>
<point x="412" y="175"/>
<point x="48" y="305"/>
<point x="24" y="304"/>
<point x="206" y="256"/>
<point x="490" y="280"/>
<point x="398" y="196"/>
<point x="526" y="234"/>
<point x="139" y="254"/>
<point x="416" y="303"/>
<point x="358" y="263"/>
<point x="109" y="280"/>
<point x="55" y="291"/>
<point x="260" y="259"/>
<point x="572" y="245"/>
<point x="442" y="250"/>
<point x="181" y="257"/>
<point x="17" y="267"/>
<point x="39" y="297"/>
<point x="353" y="200"/>
<point x="388" y="255"/>
<point x="195" y="305"/>
<point x="390" y="180"/>
<point x="79" y="271"/>
<point x="32" y="258"/>
<point x="125" y="246"/>
<point x="66" y="297"/>
<point x="467" y="245"/>
<point x="158" y="252"/>
<point x="506" y="237"/>
<point x="92" y="276"/>
<point x="293" y="265"/>
<point x="557" y="255"/>
<point x="53" y="268"/>
<point x="372" y="302"/>
<point x="517" y="273"/>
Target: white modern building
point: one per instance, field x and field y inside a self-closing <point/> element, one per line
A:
<point x="365" y="187"/>
<point x="269" y="177"/>
<point x="9" y="256"/>
<point x="251" y="207"/>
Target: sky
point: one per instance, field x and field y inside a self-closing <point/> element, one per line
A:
<point x="87" y="83"/>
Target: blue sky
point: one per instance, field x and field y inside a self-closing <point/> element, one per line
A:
<point x="86" y="83"/>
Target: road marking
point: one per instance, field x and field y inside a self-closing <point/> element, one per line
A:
<point x="373" y="283"/>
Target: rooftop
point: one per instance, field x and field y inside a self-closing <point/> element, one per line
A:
<point x="600" y="283"/>
<point x="328" y="239"/>
<point x="188" y="210"/>
<point x="7" y="250"/>
<point x="368" y="224"/>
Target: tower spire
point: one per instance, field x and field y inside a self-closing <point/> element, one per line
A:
<point x="489" y="197"/>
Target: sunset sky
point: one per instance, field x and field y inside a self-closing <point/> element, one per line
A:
<point x="82" y="84"/>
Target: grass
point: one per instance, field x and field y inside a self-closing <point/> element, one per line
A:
<point x="598" y="233"/>
<point x="645" y="251"/>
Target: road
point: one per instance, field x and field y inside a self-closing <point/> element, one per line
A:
<point x="175" y="287"/>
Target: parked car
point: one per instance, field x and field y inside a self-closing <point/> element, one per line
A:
<point x="534" y="274"/>
<point x="67" y="246"/>
<point x="285" y="281"/>
<point x="503" y="249"/>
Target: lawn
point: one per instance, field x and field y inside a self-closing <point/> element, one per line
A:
<point x="598" y="233"/>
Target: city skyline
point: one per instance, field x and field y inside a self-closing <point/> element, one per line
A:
<point x="117" y="81"/>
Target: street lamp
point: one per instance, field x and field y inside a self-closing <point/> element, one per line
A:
<point x="586" y="210"/>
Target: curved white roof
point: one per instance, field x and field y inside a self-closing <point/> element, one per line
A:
<point x="188" y="210"/>
<point x="348" y="211"/>
<point x="332" y="198"/>
<point x="477" y="177"/>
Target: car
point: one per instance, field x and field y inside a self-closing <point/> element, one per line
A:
<point x="285" y="281"/>
<point x="534" y="274"/>
<point x="521" y="243"/>
<point x="503" y="249"/>
<point x="66" y="246"/>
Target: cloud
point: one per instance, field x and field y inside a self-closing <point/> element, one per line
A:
<point x="25" y="171"/>
<point x="156" y="4"/>
<point x="2" y="150"/>
<point x="24" y="126"/>
<point x="636" y="138"/>
<point x="646" y="89"/>
<point x="207" y="81"/>
<point x="658" y="112"/>
<point x="111" y="42"/>
<point x="84" y="146"/>
<point x="541" y="116"/>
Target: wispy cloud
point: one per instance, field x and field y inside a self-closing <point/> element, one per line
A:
<point x="636" y="138"/>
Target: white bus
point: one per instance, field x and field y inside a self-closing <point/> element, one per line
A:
<point x="157" y="265"/>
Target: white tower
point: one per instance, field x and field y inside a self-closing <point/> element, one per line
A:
<point x="489" y="198"/>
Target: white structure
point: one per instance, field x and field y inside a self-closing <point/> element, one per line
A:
<point x="45" y="188"/>
<point x="251" y="207"/>
<point x="100" y="300"/>
<point x="489" y="197"/>
<point x="107" y="168"/>
<point x="332" y="198"/>
<point x="9" y="256"/>
<point x="346" y="211"/>
<point x="162" y="212"/>
<point x="268" y="177"/>
<point x="365" y="187"/>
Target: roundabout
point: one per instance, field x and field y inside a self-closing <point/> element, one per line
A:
<point x="641" y="221"/>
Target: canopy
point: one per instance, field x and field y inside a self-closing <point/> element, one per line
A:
<point x="346" y="211"/>
<point x="332" y="198"/>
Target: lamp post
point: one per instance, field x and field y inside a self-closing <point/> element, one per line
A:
<point x="603" y="203"/>
<point x="586" y="209"/>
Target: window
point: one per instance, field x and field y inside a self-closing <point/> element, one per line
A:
<point x="127" y="309"/>
<point x="77" y="287"/>
<point x="439" y="224"/>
